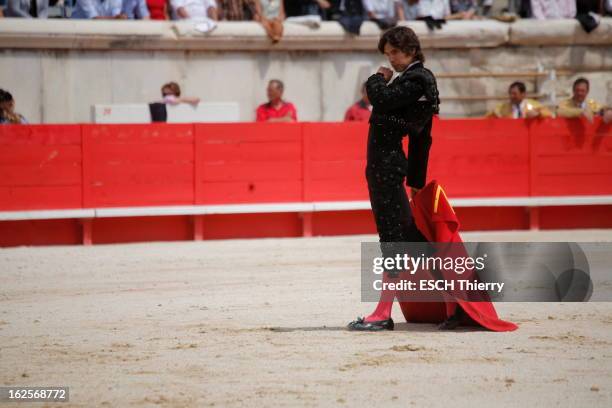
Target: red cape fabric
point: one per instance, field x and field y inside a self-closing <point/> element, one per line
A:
<point x="437" y="221"/>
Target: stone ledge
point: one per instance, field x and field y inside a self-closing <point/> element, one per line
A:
<point x="559" y="32"/>
<point x="250" y="36"/>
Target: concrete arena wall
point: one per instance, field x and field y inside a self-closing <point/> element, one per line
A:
<point x="57" y="69"/>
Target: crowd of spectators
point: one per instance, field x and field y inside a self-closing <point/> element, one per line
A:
<point x="518" y="105"/>
<point x="349" y="13"/>
<point x="7" y="110"/>
<point x="171" y="95"/>
<point x="578" y="105"/>
<point x="277" y="109"/>
<point x="359" y="111"/>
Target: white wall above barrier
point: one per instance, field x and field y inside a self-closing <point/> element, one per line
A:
<point x="204" y="112"/>
<point x="182" y="113"/>
<point x="126" y="113"/>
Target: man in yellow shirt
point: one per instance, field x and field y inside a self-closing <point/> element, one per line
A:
<point x="578" y="105"/>
<point x="519" y="106"/>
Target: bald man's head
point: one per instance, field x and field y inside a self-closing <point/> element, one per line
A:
<point x="275" y="90"/>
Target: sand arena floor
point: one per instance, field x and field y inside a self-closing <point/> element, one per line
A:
<point x="261" y="323"/>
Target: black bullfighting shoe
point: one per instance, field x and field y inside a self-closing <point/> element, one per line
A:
<point x="452" y="322"/>
<point x="361" y="325"/>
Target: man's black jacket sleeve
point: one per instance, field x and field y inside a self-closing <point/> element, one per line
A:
<point x="418" y="156"/>
<point x="401" y="92"/>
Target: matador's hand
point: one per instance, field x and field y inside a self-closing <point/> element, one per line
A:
<point x="387" y="73"/>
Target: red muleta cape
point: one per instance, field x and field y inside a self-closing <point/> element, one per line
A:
<point x="437" y="221"/>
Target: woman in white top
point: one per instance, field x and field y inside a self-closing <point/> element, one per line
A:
<point x="271" y="14"/>
<point x="195" y="9"/>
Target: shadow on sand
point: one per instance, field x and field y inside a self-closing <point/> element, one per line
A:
<point x="401" y="327"/>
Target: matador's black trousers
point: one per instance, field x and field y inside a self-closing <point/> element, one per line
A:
<point x="386" y="169"/>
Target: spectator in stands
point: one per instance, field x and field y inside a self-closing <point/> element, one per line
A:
<point x="135" y="9"/>
<point x="307" y="12"/>
<point x="432" y="12"/>
<point x="578" y="105"/>
<point x="271" y="14"/>
<point x="8" y="116"/>
<point x="519" y="106"/>
<point x="195" y="9"/>
<point x="553" y="9"/>
<point x="462" y="10"/>
<point x="350" y="14"/>
<point x="158" y="9"/>
<point x="27" y="8"/>
<point x="411" y="9"/>
<point x="296" y="8"/>
<point x="441" y="10"/>
<point x="588" y="13"/>
<point x="98" y="9"/>
<point x="385" y="13"/>
<point x="171" y="95"/>
<point x="276" y="110"/>
<point x="361" y="110"/>
<point x="516" y="8"/>
<point x="485" y="7"/>
<point x="237" y="10"/>
<point x="327" y="13"/>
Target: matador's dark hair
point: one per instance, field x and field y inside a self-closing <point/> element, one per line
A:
<point x="404" y="39"/>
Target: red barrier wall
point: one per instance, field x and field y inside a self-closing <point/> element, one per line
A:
<point x="40" y="167"/>
<point x="92" y="166"/>
<point x="570" y="157"/>
<point x="481" y="158"/>
<point x="138" y="165"/>
<point x="248" y="163"/>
